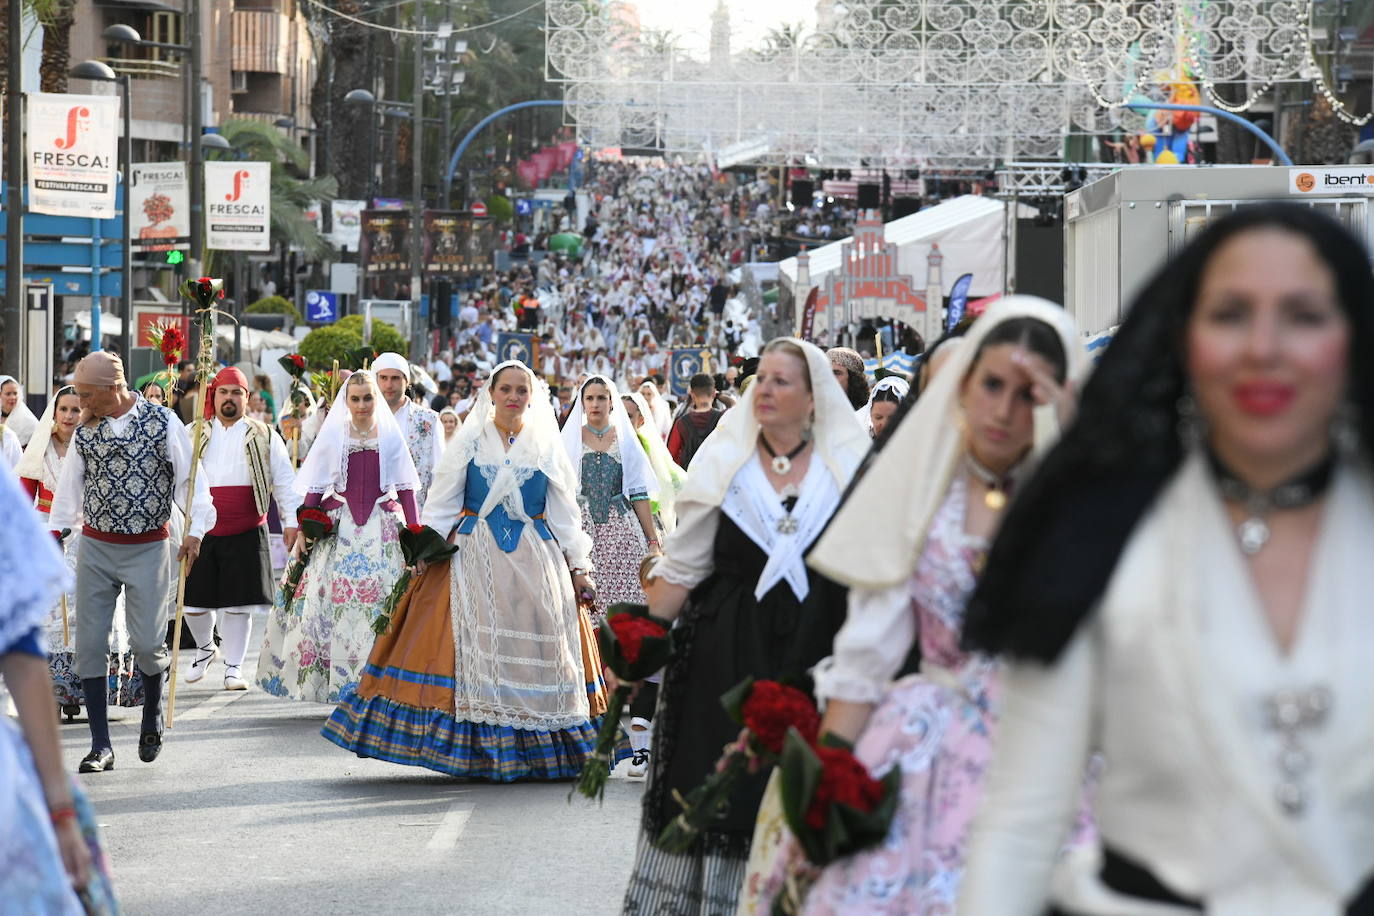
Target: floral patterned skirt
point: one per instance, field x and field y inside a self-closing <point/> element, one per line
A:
<point x="125" y="686"/>
<point x="319" y="649"/>
<point x="617" y="549"/>
<point x="942" y="740"/>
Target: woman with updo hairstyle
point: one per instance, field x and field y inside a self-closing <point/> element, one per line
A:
<point x="733" y="576"/>
<point x="1183" y="587"/>
<point x="897" y="685"/>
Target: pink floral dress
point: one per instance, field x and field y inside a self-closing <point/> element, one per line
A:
<point x="938" y="726"/>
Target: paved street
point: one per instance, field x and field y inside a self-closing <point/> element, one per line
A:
<point x="249" y="810"/>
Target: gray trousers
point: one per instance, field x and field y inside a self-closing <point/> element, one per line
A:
<point x="144" y="572"/>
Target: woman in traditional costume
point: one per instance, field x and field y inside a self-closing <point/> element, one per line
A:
<point x="883" y="402"/>
<point x="489" y="669"/>
<point x="51" y="861"/>
<point x="38" y="471"/>
<point x="671" y="478"/>
<point x="734" y="578"/>
<point x="616" y="486"/>
<point x="14" y="413"/>
<point x="938" y="490"/>
<point x="1184" y="587"/>
<point x="661" y="413"/>
<point x="359" y="471"/>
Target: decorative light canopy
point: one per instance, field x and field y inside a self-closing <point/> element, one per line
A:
<point x="903" y="83"/>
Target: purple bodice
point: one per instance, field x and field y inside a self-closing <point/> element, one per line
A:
<point x="364" y="489"/>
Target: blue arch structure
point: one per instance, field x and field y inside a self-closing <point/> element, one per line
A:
<point x="481" y="125"/>
<point x="1282" y="157"/>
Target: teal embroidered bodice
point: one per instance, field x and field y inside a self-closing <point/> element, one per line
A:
<point x="603" y="486"/>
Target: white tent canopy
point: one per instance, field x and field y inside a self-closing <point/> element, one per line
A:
<point x="252" y="340"/>
<point x="968" y="229"/>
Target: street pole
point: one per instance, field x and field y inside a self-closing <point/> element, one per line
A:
<point x="417" y="184"/>
<point x="197" y="169"/>
<point x="126" y="298"/>
<point x="15" y="333"/>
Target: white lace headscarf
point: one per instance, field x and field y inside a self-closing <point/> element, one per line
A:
<point x="35" y="464"/>
<point x="898" y="386"/>
<point x="21" y="420"/>
<point x="636" y="475"/>
<point x="326" y="467"/>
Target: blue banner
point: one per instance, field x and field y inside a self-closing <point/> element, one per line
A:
<point x="896" y="360"/>
<point x="519" y="347"/>
<point x="958" y="302"/>
<point x="682" y="365"/>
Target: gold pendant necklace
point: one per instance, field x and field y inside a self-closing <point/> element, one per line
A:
<point x="997" y="485"/>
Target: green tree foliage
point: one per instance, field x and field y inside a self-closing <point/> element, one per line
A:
<point x="500" y="209"/>
<point x="336" y="341"/>
<point x="274" y="305"/>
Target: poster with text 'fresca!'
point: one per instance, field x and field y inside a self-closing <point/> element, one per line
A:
<point x="73" y="161"/>
<point x="238" y="206"/>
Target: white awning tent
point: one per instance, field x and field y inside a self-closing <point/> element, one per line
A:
<point x="968" y="229"/>
<point x="252" y="340"/>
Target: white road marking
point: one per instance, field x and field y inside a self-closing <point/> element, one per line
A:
<point x="450" y="828"/>
<point x="209" y="707"/>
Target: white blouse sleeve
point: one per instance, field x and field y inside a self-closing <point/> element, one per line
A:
<point x="876" y="638"/>
<point x="445" y="499"/>
<point x="689" y="552"/>
<point x="1035" y="783"/>
<point x="564" y="519"/>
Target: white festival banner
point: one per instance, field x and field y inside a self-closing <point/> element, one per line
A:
<point x="159" y="206"/>
<point x="73" y="154"/>
<point x="238" y="206"/>
<point x="348" y="223"/>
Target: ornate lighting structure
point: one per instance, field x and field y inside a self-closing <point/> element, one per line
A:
<point x="920" y="82"/>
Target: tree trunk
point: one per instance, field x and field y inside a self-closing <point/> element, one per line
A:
<point x="349" y="126"/>
<point x="57" y="47"/>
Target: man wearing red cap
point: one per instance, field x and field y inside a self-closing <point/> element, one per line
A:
<point x="245" y="463"/>
<point x="129" y="462"/>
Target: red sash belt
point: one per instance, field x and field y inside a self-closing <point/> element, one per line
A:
<point x="111" y="537"/>
<point x="235" y="511"/>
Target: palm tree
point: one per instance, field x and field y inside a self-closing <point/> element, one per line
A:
<point x="291" y="191"/>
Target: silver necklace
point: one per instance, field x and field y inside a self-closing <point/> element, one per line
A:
<point x="1302" y="490"/>
<point x="782" y="464"/>
<point x="1289" y="713"/>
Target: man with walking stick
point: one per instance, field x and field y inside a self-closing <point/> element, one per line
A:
<point x="131" y="461"/>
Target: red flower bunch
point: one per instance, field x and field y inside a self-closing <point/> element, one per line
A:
<point x="315" y="515"/>
<point x="844" y="781"/>
<point x="772" y="708"/>
<point x="298" y="360"/>
<point x="207" y="287"/>
<point x="415" y="529"/>
<point x="172" y="345"/>
<point x="631" y="631"/>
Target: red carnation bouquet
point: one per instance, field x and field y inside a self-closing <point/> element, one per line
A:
<point x="418" y="542"/>
<point x="832" y="804"/>
<point x="294" y="364"/>
<point x="633" y="645"/>
<point x="315" y="526"/>
<point x="170" y="342"/>
<point x="768" y="711"/>
<point x="203" y="291"/>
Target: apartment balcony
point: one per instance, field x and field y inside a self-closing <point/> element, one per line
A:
<point x="261" y="41"/>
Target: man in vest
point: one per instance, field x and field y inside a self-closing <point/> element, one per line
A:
<point x="244" y="463"/>
<point x="419" y="425"/>
<point x="693" y="425"/>
<point x="131" y="460"/>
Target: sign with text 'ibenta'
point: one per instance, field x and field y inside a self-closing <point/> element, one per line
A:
<point x="238" y="206"/>
<point x="73" y="161"/>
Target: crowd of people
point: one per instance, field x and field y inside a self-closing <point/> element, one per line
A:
<point x="1105" y="622"/>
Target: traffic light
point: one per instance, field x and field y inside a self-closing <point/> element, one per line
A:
<point x="175" y="257"/>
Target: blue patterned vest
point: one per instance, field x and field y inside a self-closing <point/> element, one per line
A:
<point x="129" y="478"/>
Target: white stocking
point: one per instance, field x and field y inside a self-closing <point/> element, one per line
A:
<point x="202" y="627"/>
<point x="234" y="627"/>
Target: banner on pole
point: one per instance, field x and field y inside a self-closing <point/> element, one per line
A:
<point x="519" y="347"/>
<point x="159" y="206"/>
<point x="385" y="243"/>
<point x="809" y="314"/>
<point x="448" y="241"/>
<point x="238" y="206"/>
<point x="73" y="154"/>
<point x="684" y="363"/>
<point x="347" y="216"/>
<point x="958" y="301"/>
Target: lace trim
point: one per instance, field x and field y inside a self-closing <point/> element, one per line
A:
<point x="669" y="571"/>
<point x="834" y="684"/>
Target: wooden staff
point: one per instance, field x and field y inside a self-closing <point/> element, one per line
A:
<point x="66" y="633"/>
<point x="207" y="354"/>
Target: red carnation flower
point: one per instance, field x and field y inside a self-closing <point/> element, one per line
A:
<point x="844" y="781"/>
<point x="415" y="529"/>
<point x="298" y="360"/>
<point x="314" y="515"/>
<point x="631" y="631"/>
<point x="772" y="708"/>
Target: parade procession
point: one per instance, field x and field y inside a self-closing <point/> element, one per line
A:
<point x="687" y="459"/>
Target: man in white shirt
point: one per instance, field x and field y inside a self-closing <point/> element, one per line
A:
<point x="244" y="463"/>
<point x="419" y="425"/>
<point x="130" y="461"/>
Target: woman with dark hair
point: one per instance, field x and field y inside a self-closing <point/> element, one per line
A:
<point x="1183" y="586"/>
<point x="734" y="578"/>
<point x="848" y="368"/>
<point x="937" y="490"/>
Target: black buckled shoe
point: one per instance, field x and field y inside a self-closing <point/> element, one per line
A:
<point x="150" y="744"/>
<point x="97" y="761"/>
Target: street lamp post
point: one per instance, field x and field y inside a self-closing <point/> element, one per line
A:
<point x="15" y="332"/>
<point x="417" y="225"/>
<point x="99" y="72"/>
